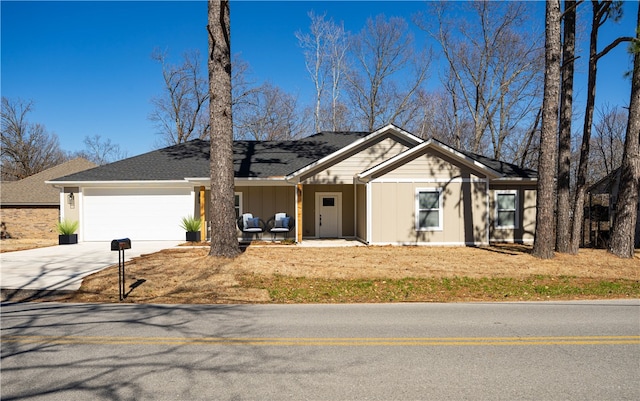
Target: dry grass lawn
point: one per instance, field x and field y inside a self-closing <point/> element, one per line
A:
<point x="188" y="275"/>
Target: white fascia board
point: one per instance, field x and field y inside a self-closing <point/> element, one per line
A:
<point x="120" y="184"/>
<point x="467" y="159"/>
<point x="262" y="182"/>
<point x="244" y="181"/>
<point x="354" y="145"/>
<point x="366" y="175"/>
<point x="515" y="180"/>
<point x="400" y="131"/>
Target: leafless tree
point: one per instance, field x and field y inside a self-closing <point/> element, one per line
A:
<point x="242" y="87"/>
<point x="622" y="239"/>
<point x="563" y="209"/>
<point x="224" y="241"/>
<point x="544" y="241"/>
<point x="607" y="146"/>
<point x="382" y="51"/>
<point x="325" y="51"/>
<point x="180" y="113"/>
<point x="494" y="68"/>
<point x="100" y="151"/>
<point x="269" y="113"/>
<point x="316" y="59"/>
<point x="27" y="148"/>
<point x="602" y="11"/>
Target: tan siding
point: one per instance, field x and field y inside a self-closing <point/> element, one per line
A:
<point x="394" y="214"/>
<point x="526" y="214"/>
<point x="72" y="210"/>
<point x="529" y="215"/>
<point x="265" y="202"/>
<point x="344" y="171"/>
<point x="430" y="165"/>
<point x="427" y="165"/>
<point x="361" y="212"/>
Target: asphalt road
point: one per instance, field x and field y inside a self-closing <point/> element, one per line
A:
<point x="494" y="351"/>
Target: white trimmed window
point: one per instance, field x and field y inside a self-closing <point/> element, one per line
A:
<point x="507" y="209"/>
<point x="429" y="209"/>
<point x="238" y="204"/>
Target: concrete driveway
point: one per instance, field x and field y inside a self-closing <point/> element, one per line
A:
<point x="62" y="267"/>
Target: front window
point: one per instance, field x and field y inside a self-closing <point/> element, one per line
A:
<point x="238" y="204"/>
<point x="429" y="209"/>
<point x="506" y="209"/>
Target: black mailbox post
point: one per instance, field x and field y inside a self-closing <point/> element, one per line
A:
<point x="120" y="245"/>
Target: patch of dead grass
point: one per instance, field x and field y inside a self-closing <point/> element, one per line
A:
<point x="189" y="275"/>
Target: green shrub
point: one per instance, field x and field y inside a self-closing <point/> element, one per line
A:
<point x="67" y="227"/>
<point x="191" y="224"/>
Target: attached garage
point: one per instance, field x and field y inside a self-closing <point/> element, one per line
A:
<point x="384" y="187"/>
<point x="137" y="213"/>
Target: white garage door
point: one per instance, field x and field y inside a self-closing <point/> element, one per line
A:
<point x="138" y="214"/>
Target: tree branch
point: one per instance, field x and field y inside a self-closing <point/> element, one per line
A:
<point x="613" y="44"/>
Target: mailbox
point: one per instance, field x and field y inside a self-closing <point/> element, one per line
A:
<point x="120" y="244"/>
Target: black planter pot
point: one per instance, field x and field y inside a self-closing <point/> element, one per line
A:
<point x="193" y="236"/>
<point x="67" y="239"/>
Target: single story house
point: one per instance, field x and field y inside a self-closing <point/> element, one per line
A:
<point x="599" y="213"/>
<point x="29" y="208"/>
<point x="381" y="187"/>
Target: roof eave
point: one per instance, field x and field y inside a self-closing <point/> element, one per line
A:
<point x="115" y="183"/>
<point x="366" y="175"/>
<point x="293" y="177"/>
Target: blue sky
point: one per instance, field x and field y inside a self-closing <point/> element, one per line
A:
<point x="88" y="67"/>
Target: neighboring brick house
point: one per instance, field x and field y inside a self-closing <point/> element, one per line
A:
<point x="29" y="208"/>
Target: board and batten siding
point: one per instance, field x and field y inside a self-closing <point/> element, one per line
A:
<point x="344" y="170"/>
<point x="431" y="164"/>
<point x="393" y="214"/>
<point x="361" y="212"/>
<point x="265" y="202"/>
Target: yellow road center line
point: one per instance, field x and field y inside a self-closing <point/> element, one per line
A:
<point x="324" y="342"/>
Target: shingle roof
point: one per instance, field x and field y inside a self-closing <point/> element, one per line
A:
<point x="251" y="159"/>
<point x="508" y="170"/>
<point x="33" y="190"/>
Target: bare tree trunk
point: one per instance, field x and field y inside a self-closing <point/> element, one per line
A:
<point x="544" y="239"/>
<point x="601" y="12"/>
<point x="224" y="240"/>
<point x="622" y="240"/>
<point x="581" y="178"/>
<point x="563" y="225"/>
